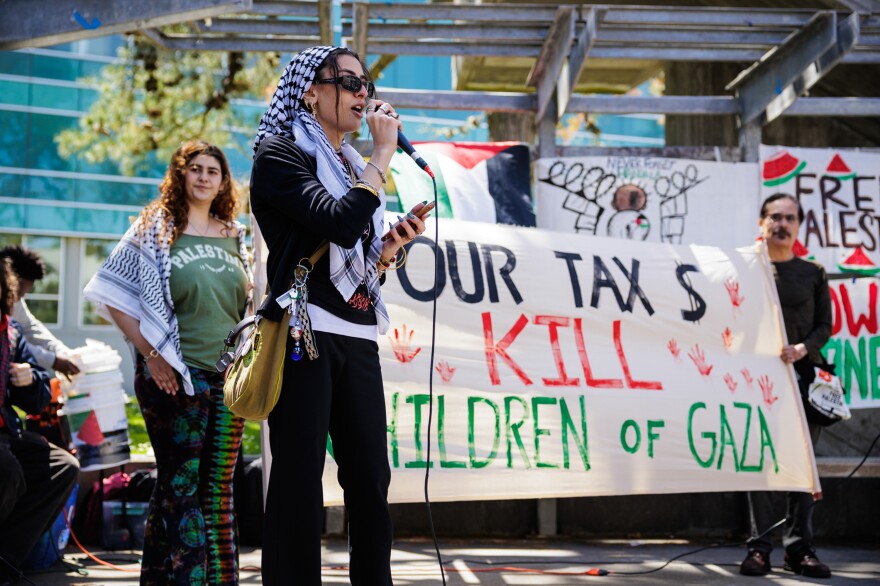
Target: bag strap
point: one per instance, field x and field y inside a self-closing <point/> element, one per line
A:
<point x="234" y="332"/>
<point x="319" y="252"/>
<point x="230" y="340"/>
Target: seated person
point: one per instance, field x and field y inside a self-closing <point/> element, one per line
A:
<point x="49" y="351"/>
<point x="36" y="477"/>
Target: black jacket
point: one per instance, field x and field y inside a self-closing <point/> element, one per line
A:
<point x="33" y="398"/>
<point x="296" y="213"/>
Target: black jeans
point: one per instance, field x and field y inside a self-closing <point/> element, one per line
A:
<point x="798" y="528"/>
<point x="36" y="479"/>
<point x="340" y="393"/>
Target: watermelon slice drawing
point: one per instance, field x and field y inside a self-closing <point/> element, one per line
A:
<point x="838" y="168"/>
<point x="858" y="263"/>
<point x="800" y="250"/>
<point x="90" y="431"/>
<point x="780" y="168"/>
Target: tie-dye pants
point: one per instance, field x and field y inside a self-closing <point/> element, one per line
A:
<point x="190" y="535"/>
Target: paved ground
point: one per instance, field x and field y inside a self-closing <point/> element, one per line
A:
<point x="521" y="562"/>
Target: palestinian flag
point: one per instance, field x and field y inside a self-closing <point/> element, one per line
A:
<point x="837" y="168"/>
<point x="859" y="264"/>
<point x="478" y="182"/>
<point x="90" y="431"/>
<point x="780" y="168"/>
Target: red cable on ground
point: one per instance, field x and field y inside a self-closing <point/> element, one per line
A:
<point x="515" y="569"/>
<point x="88" y="553"/>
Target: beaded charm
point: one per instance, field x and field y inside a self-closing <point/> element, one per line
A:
<point x="296" y="331"/>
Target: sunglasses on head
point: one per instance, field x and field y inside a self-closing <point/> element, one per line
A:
<point x="351" y="83"/>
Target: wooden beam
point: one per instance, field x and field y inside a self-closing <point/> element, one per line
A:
<point x="772" y="84"/>
<point x="571" y="71"/>
<point x="379" y="65"/>
<point x="548" y="66"/>
<point x="359" y="28"/>
<point x="325" y="21"/>
<point x="63" y="21"/>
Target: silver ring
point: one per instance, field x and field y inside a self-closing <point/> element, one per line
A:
<point x="383" y="107"/>
<point x="394" y="115"/>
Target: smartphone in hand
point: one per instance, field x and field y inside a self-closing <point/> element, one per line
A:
<point x="421" y="214"/>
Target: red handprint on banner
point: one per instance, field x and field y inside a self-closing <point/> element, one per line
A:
<point x="747" y="376"/>
<point x="445" y="370"/>
<point x="672" y="345"/>
<point x="401" y="347"/>
<point x="727" y="338"/>
<point x="731" y="383"/>
<point x="767" y="390"/>
<point x="732" y="287"/>
<point x="699" y="357"/>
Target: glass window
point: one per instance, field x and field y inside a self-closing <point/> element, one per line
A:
<point x="13" y="149"/>
<point x="14" y="92"/>
<point x="15" y="62"/>
<point x="96" y="251"/>
<point x="41" y="149"/>
<point x="44" y="300"/>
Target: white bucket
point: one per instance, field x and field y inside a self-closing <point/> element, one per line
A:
<point x="99" y="426"/>
<point x="96" y="357"/>
<point x="84" y="382"/>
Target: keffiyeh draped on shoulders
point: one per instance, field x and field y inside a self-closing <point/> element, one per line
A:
<point x="286" y="116"/>
<point x="135" y="279"/>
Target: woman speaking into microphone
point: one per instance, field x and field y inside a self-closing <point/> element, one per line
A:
<point x="309" y="186"/>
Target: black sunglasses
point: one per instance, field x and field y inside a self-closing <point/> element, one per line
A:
<point x="352" y="84"/>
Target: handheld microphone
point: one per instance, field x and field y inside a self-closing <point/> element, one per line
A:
<point x="404" y="145"/>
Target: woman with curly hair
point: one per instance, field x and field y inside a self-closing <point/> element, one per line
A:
<point x="175" y="285"/>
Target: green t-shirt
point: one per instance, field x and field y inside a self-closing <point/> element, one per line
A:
<point x="209" y="290"/>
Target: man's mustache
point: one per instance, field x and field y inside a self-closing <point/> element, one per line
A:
<point x="782" y="233"/>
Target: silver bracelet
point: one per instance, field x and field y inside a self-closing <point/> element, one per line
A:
<point x="382" y="175"/>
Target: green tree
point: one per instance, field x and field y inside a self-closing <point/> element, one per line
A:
<point x="152" y="99"/>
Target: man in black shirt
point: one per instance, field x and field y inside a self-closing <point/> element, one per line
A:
<point x="806" y="310"/>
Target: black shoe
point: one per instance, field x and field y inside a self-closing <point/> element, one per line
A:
<point x="806" y="564"/>
<point x="757" y="563"/>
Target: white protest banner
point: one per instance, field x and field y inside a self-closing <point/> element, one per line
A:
<point x="582" y="366"/>
<point x="679" y="201"/>
<point x="840" y="193"/>
<point x="854" y="340"/>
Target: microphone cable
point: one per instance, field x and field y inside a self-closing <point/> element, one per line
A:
<point x="437" y="253"/>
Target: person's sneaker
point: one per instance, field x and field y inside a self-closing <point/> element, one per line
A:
<point x="757" y="563"/>
<point x="806" y="564"/>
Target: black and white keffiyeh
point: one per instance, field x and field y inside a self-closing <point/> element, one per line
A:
<point x="349" y="267"/>
<point x="136" y="280"/>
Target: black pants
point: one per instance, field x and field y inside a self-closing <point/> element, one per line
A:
<point x="798" y="529"/>
<point x="36" y="479"/>
<point x="340" y="392"/>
